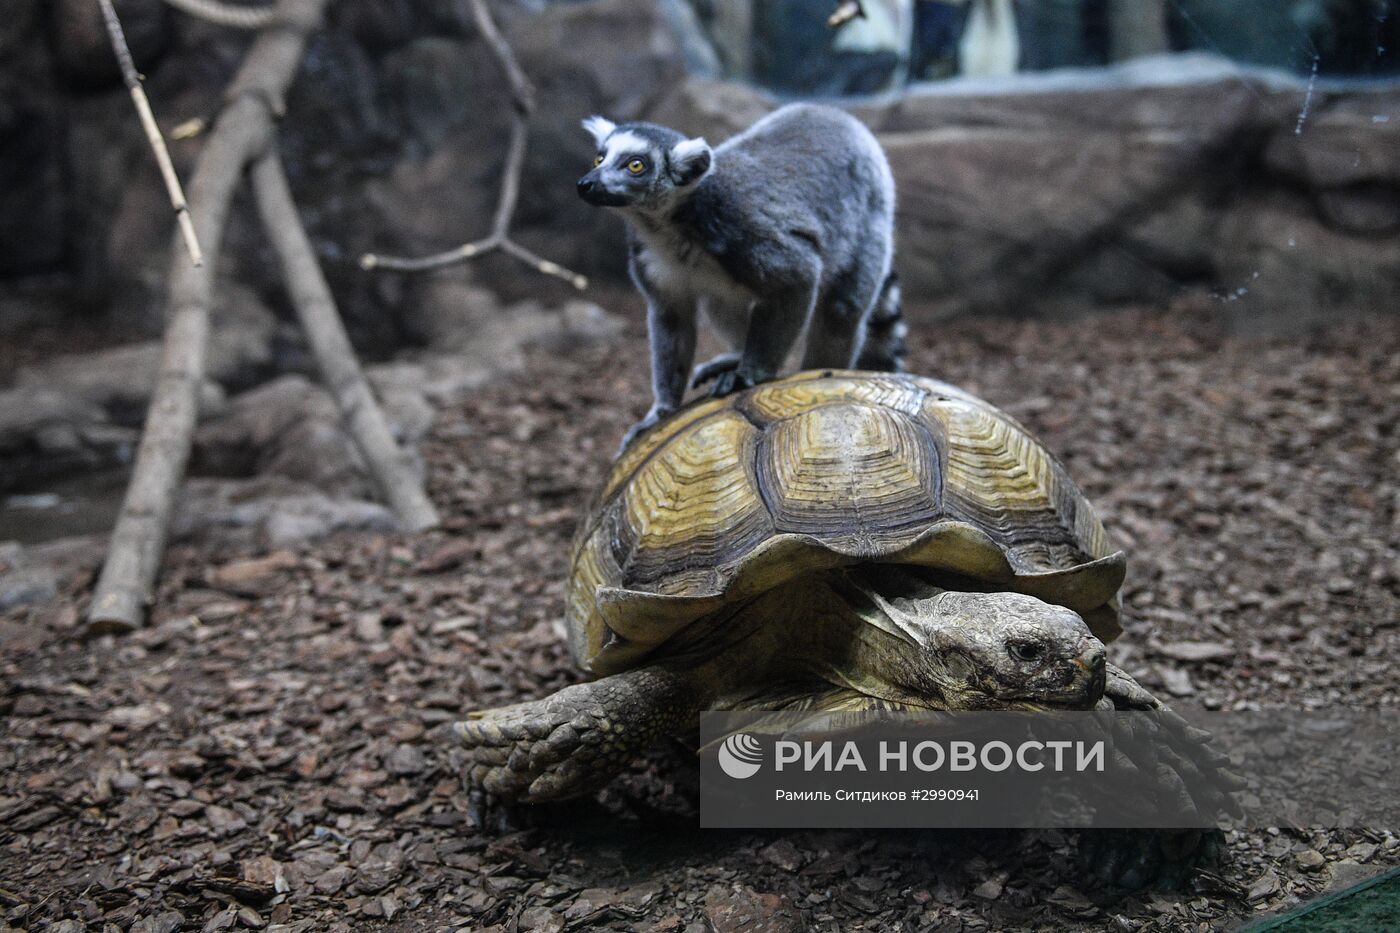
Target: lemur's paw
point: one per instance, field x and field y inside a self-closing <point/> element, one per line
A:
<point x="733" y="380"/>
<point x="714" y="368"/>
<point x="652" y="419"/>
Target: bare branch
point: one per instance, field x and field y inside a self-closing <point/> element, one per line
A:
<point x="845" y="11"/>
<point x="315" y="307"/>
<point x="523" y="94"/>
<point x="241" y="133"/>
<point x="520" y="87"/>
<point x="222" y="14"/>
<point x="148" y="123"/>
<point x="510" y="179"/>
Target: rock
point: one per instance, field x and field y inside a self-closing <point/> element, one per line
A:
<point x="716" y="110"/>
<point x="269" y="512"/>
<point x="1362" y="851"/>
<point x="118" y="381"/>
<point x="783" y="854"/>
<point x="741" y="909"/>
<point x="448" y="311"/>
<point x="382" y="867"/>
<point x="46" y="434"/>
<point x="288" y="428"/>
<point x="1291" y="269"/>
<point x="20" y="18"/>
<point x="331" y="880"/>
<point x="1263" y="887"/>
<point x="369" y="627"/>
<point x="253" y="577"/>
<point x="541" y="920"/>
<point x="167" y="921"/>
<point x="437" y="83"/>
<point x="1195" y="652"/>
<point x="1176" y="681"/>
<point x="975" y="162"/>
<point x="265" y="871"/>
<point x="308" y="517"/>
<point x="33" y="190"/>
<point x="1346" y="873"/>
<point x="578" y="323"/>
<point x="406" y="760"/>
<point x="30" y="587"/>
<point x="33" y="575"/>
<point x="990" y="889"/>
<point x="320" y="453"/>
<point x="409" y="414"/>
<point x="1310" y="860"/>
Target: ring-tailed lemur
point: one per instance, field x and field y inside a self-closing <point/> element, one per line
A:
<point x="790" y="222"/>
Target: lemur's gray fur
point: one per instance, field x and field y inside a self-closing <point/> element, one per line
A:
<point x="789" y="224"/>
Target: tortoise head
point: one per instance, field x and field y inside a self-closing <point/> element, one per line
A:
<point x="950" y="649"/>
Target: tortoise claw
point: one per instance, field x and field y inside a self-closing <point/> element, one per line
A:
<point x="1125" y="860"/>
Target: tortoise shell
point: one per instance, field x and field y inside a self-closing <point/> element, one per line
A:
<point x="730" y="497"/>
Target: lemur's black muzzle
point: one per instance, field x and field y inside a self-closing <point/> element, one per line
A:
<point x="593" y="191"/>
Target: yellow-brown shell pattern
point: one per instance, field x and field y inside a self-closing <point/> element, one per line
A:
<point x="732" y="496"/>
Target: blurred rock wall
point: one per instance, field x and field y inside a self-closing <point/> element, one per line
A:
<point x="395" y="135"/>
<point x="1032" y="194"/>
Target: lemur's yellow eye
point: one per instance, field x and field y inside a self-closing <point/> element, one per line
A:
<point x="597" y="161"/>
<point x="636" y="166"/>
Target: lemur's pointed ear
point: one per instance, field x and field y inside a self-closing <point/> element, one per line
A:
<point x="690" y="160"/>
<point x="599" y="127"/>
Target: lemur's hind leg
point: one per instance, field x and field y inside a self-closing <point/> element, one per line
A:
<point x="711" y="369"/>
<point x="883" y="349"/>
<point x="574" y="741"/>
<point x="730" y="318"/>
<point x="834" y="339"/>
<point x="775" y="324"/>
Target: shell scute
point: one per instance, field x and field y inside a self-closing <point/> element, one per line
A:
<point x="853" y="475"/>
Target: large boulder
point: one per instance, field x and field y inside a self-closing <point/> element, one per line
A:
<point x="1054" y="193"/>
<point x="33" y="194"/>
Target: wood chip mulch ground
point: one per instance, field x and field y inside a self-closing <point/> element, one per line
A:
<point x="264" y="755"/>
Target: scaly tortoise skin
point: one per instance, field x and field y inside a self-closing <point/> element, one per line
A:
<point x="734" y="496"/>
<point x="834" y="541"/>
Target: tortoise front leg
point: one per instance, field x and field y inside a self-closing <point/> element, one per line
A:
<point x="1180" y="768"/>
<point x="576" y="740"/>
<point x="1169" y="751"/>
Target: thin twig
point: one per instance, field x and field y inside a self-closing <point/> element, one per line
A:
<point x="315" y="306"/>
<point x="148" y="123"/>
<point x="523" y="94"/>
<point x="242" y="132"/>
<point x="222" y="14"/>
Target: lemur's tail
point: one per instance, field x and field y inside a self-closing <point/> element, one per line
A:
<point x="883" y="349"/>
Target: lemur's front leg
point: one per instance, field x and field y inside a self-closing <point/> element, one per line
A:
<point x="777" y="321"/>
<point x="671" y="327"/>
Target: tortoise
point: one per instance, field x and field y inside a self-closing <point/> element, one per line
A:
<point x="835" y="540"/>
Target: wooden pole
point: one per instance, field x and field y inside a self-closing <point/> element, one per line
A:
<point x="315" y="306"/>
<point x="242" y="133"/>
